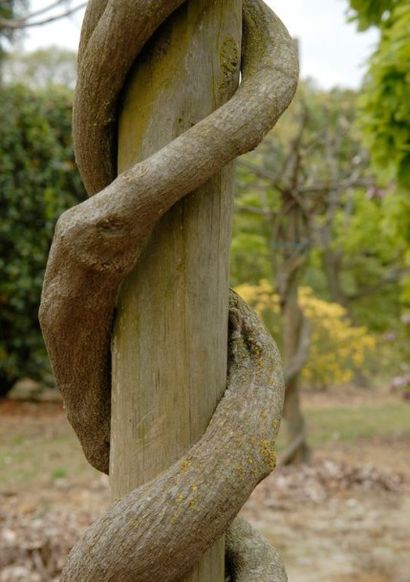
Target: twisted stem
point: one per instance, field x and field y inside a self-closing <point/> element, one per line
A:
<point x="96" y="245"/>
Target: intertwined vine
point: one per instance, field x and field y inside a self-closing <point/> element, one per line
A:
<point x="96" y="245"/>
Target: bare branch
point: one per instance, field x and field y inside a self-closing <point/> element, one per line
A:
<point x="296" y="146"/>
<point x="10" y="24"/>
<point x="290" y="452"/>
<point x="44" y="9"/>
<point x="263" y="173"/>
<point x="295" y="366"/>
<point x="254" y="210"/>
<point x="343" y="185"/>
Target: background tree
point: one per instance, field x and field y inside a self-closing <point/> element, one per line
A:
<point x="13" y="20"/>
<point x="9" y="11"/>
<point x="384" y="118"/>
<point x="41" y="68"/>
<point x="385" y="101"/>
<point x="307" y="205"/>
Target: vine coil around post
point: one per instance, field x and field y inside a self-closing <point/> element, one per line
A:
<point x="96" y="245"/>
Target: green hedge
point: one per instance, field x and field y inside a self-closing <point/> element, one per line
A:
<point x="38" y="181"/>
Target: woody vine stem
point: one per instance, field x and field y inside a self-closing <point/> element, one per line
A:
<point x="96" y="245"/>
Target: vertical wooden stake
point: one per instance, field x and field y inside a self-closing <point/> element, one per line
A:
<point x="170" y="337"/>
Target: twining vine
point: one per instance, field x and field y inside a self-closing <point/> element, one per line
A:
<point x="160" y="530"/>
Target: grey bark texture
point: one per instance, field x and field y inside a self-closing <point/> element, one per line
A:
<point x="161" y="529"/>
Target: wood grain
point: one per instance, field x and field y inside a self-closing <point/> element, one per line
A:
<point x="170" y="337"/>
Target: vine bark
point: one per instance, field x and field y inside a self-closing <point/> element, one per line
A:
<point x="161" y="529"/>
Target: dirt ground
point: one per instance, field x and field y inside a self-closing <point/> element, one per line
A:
<point x="345" y="517"/>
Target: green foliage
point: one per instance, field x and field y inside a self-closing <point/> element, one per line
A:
<point x="250" y="255"/>
<point x="374" y="255"/>
<point x="372" y="12"/>
<point x="6" y="11"/>
<point x="349" y="423"/>
<point x="38" y="181"/>
<point x="59" y="473"/>
<point x="384" y="117"/>
<point x="385" y="101"/>
<point x="365" y="227"/>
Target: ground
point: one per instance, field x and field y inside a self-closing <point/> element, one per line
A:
<point x="343" y="518"/>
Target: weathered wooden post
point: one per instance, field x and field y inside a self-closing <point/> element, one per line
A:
<point x="170" y="339"/>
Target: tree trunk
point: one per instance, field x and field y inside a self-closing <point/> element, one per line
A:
<point x="295" y="233"/>
<point x="170" y="337"/>
<point x="297" y="449"/>
<point x="332" y="266"/>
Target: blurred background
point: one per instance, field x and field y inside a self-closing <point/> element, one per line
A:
<point x="320" y="248"/>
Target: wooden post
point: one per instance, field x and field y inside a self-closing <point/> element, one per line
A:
<point x="170" y="337"/>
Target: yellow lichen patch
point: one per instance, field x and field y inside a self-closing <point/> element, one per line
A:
<point x="185" y="465"/>
<point x="174" y="518"/>
<point x="230" y="56"/>
<point x="193" y="502"/>
<point x="275" y="424"/>
<point x="267" y="450"/>
<point x="134" y="523"/>
<point x="239" y="469"/>
<point x="177" y="513"/>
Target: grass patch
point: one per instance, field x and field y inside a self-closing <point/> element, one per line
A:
<point x="59" y="473"/>
<point x="344" y="424"/>
<point x="35" y="452"/>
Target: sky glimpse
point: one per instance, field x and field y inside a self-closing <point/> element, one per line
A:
<point x="332" y="52"/>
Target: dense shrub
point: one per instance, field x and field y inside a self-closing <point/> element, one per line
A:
<point x="38" y="181"/>
<point x="337" y="348"/>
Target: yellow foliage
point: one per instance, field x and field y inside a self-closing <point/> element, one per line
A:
<point x="337" y="347"/>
